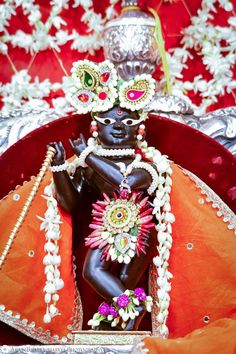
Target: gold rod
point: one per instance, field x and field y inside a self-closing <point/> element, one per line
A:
<point x="47" y="161"/>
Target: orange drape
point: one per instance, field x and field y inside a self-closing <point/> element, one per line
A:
<point x="203" y="262"/>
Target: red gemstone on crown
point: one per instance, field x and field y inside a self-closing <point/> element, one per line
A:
<point x="102" y="95"/>
<point x="83" y="97"/>
<point x="134" y="95"/>
<point x="104" y="77"/>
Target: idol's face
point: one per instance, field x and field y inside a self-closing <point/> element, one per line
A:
<point x="118" y="128"/>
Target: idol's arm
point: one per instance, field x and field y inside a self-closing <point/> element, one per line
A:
<point x="68" y="191"/>
<point x="110" y="172"/>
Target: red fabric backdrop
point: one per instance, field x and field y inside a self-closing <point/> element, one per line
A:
<point x="175" y="16"/>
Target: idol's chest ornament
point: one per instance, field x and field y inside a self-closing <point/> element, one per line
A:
<point x="121" y="224"/>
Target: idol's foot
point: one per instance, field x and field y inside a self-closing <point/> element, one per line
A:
<point x="106" y="326"/>
<point x="133" y="324"/>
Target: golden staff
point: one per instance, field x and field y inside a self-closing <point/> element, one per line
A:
<point x="47" y="161"/>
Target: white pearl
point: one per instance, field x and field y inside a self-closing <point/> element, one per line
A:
<point x="52" y="309"/>
<point x="95" y="134"/>
<point x="55" y="297"/>
<point x="47" y="298"/>
<point x="47" y="318"/>
<point x="139" y="137"/>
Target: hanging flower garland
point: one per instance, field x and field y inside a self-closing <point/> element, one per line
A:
<point x="219" y="59"/>
<point x="52" y="260"/>
<point x="40" y="39"/>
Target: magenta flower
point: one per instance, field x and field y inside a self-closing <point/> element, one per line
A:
<point x="113" y="312"/>
<point x="104" y="309"/>
<point x="123" y="301"/>
<point x="140" y="294"/>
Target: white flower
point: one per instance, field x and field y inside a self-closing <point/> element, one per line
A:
<point x="125" y="316"/>
<point x="232" y="21"/>
<point x="3" y="48"/>
<point x="85" y="3"/>
<point x="58" y="21"/>
<point x="121" y="311"/>
<point x="157" y="261"/>
<point x="52" y="309"/>
<point x="169" y="217"/>
<point x="47" y="298"/>
<point x="160" y="318"/>
<point x="62" y="37"/>
<point x="34" y="17"/>
<point x="47" y="318"/>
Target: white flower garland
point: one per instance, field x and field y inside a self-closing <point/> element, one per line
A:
<point x="24" y="92"/>
<point x="40" y="39"/>
<point x="52" y="260"/>
<point x="218" y="59"/>
<point x="164" y="217"/>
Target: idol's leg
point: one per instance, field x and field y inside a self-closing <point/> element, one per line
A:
<point x="97" y="274"/>
<point x="132" y="272"/>
<point x="130" y="275"/>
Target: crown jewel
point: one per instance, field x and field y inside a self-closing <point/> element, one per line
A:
<point x="97" y="88"/>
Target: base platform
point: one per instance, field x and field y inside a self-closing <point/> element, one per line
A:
<point x="108" y="337"/>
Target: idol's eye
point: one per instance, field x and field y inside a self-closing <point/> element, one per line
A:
<point x="130" y="122"/>
<point x="105" y="121"/>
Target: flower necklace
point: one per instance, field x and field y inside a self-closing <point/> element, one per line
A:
<point x="121" y="224"/>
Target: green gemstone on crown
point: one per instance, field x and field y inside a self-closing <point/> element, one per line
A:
<point x="89" y="80"/>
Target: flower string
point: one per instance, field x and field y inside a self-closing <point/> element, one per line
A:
<point x="52" y="260"/>
<point x="164" y="217"/>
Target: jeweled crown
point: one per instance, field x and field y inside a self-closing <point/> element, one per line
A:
<point x="97" y="88"/>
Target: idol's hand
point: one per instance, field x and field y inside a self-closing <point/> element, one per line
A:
<point x="78" y="145"/>
<point x="60" y="155"/>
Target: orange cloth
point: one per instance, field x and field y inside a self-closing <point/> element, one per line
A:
<point x="217" y="338"/>
<point x="22" y="275"/>
<point x="203" y="262"/>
